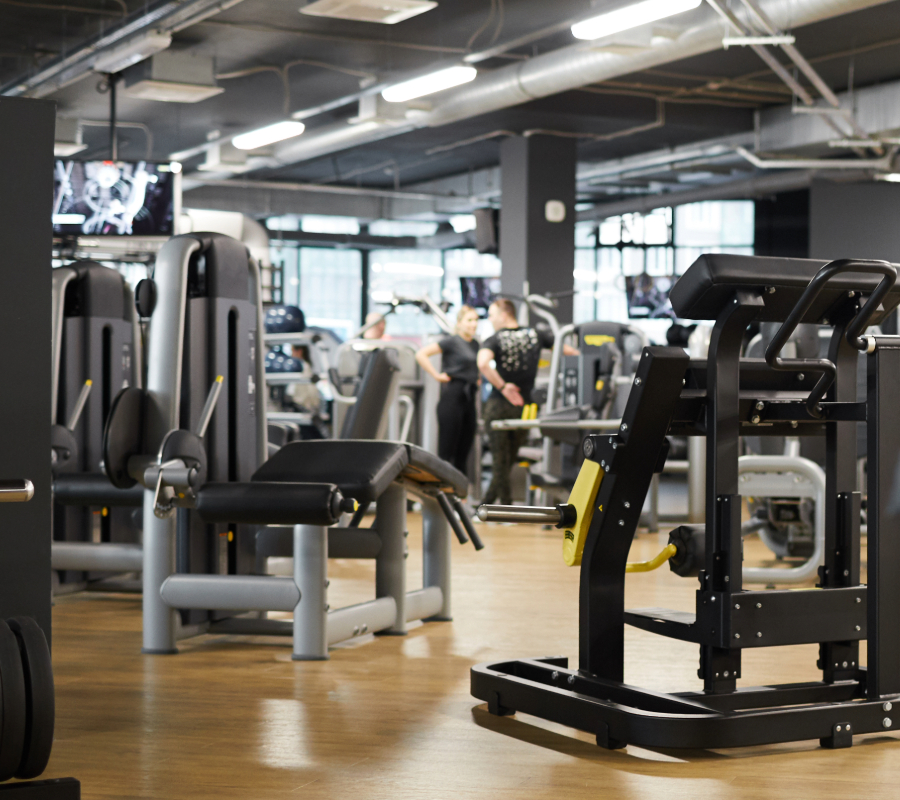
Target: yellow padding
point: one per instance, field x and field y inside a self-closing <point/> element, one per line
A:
<point x="598" y="340"/>
<point x="583" y="496"/>
<point x="654" y="563"/>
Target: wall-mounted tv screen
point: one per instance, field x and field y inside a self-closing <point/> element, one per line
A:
<point x="113" y="198"/>
<point x="648" y="296"/>
<point x="479" y="292"/>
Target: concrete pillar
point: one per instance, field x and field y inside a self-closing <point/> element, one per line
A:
<point x="536" y="246"/>
<point x="26" y="238"/>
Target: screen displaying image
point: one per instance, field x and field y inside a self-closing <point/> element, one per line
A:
<point x="112" y="198"/>
<point x="648" y="296"/>
<point x="479" y="292"/>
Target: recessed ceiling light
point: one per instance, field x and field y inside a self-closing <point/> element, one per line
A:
<point x="278" y="132"/>
<point x="623" y="19"/>
<point x="429" y="84"/>
<point x="387" y="12"/>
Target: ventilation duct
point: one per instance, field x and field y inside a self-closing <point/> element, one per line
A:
<point x="562" y="70"/>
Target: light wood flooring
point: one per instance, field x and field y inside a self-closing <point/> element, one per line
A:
<point x="392" y="717"/>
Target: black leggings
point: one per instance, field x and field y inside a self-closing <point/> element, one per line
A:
<point x="456" y="422"/>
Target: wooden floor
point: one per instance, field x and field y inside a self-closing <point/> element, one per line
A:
<point x="391" y="717"/>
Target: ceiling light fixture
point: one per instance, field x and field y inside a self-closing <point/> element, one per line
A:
<point x="387" y="12"/>
<point x="429" y="84"/>
<point x="278" y="132"/>
<point x="632" y="16"/>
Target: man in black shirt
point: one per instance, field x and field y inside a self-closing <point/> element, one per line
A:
<point x="515" y="352"/>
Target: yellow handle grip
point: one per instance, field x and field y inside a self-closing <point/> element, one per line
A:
<point x="654" y="563"/>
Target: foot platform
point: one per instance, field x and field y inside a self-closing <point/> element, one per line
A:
<point x="618" y="714"/>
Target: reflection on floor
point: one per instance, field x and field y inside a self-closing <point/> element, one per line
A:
<point x="393" y="718"/>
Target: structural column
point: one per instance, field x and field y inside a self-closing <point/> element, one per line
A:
<point x="26" y="237"/>
<point x="537" y="216"/>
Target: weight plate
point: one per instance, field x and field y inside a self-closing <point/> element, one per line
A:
<point x="12" y="702"/>
<point x="40" y="705"/>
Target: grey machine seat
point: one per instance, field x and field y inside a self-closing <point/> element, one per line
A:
<point x="361" y="469"/>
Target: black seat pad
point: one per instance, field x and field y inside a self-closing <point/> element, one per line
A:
<point x="711" y="281"/>
<point x="360" y="468"/>
<point x="424" y="467"/>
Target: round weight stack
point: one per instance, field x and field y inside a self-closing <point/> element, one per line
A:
<point x="40" y="704"/>
<point x="12" y="704"/>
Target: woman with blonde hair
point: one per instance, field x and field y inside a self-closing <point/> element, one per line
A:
<point x="457" y="420"/>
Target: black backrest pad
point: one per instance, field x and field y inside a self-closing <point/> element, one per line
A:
<point x="425" y="468"/>
<point x="711" y="281"/>
<point x="98" y="291"/>
<point x="220" y="268"/>
<point x="364" y="417"/>
<point x="361" y="469"/>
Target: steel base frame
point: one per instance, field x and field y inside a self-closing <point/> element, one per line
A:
<point x="619" y="715"/>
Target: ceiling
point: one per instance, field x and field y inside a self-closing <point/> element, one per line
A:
<point x="273" y="61"/>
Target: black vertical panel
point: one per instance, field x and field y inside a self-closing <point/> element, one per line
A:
<point x="884" y="524"/>
<point x="535" y="170"/>
<point x="26" y="193"/>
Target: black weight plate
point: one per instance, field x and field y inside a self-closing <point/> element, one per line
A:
<point x="12" y="697"/>
<point x="122" y="436"/>
<point x="40" y="705"/>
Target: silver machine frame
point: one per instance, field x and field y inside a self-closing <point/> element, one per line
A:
<point x="314" y="626"/>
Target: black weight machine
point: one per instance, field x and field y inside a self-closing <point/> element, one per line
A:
<point x="724" y="398"/>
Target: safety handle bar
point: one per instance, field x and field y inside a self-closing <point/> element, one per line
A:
<point x="853" y="333"/>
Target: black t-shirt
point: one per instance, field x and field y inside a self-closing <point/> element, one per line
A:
<point x="458" y="358"/>
<point x="517" y="352"/>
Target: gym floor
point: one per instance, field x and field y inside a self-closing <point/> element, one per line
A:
<point x="392" y="717"/>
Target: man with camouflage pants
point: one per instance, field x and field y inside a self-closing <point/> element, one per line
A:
<point x="515" y="352"/>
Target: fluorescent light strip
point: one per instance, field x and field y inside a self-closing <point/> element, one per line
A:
<point x="278" y="132"/>
<point x="429" y="84"/>
<point x="632" y="16"/>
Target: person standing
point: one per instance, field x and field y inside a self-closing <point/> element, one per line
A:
<point x="457" y="420"/>
<point x="516" y="352"/>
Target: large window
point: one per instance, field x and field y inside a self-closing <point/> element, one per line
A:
<point x="661" y="244"/>
<point x="326" y="283"/>
<point x="405" y="273"/>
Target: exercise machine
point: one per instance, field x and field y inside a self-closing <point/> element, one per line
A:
<point x="194" y="439"/>
<point x="723" y="398"/>
<point x="96" y="352"/>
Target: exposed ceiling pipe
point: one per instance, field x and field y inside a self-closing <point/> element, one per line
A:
<point x="561" y="70"/>
<point x="171" y="17"/>
<point x="883" y="163"/>
<point x="711" y="148"/>
<point x="741" y="189"/>
<point x="322" y="188"/>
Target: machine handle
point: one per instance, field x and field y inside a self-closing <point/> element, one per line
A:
<point x="18" y="490"/>
<point x="211" y="399"/>
<point x="467" y="523"/>
<point x="854" y="330"/>
<point x="560" y="516"/>
<point x="458" y="529"/>
<point x="79" y="405"/>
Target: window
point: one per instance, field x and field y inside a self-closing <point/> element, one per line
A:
<point x="406" y="273"/>
<point x="664" y="242"/>
<point x="326" y="283"/>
